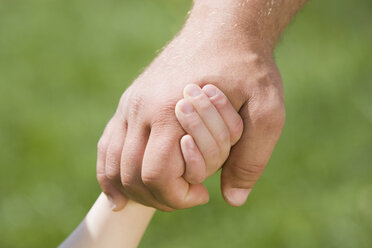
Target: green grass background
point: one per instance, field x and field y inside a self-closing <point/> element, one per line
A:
<point x="64" y="65"/>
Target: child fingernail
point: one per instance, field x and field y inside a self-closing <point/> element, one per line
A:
<point x="190" y="143"/>
<point x="209" y="90"/>
<point x="192" y="90"/>
<point x="185" y="106"/>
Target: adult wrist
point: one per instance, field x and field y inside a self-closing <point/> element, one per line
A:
<point x="250" y="19"/>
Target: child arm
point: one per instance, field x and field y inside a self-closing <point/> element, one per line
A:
<point x="104" y="228"/>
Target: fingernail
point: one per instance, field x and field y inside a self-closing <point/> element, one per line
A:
<point x="237" y="197"/>
<point x="190" y="143"/>
<point x="186" y="107"/>
<point x="111" y="202"/>
<point x="192" y="90"/>
<point x="210" y="91"/>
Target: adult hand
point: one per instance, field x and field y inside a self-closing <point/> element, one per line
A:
<point x="139" y="154"/>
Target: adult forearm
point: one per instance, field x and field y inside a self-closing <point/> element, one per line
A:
<point x="261" y="21"/>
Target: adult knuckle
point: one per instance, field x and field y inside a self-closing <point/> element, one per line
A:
<point x="130" y="183"/>
<point x="112" y="172"/>
<point x="165" y="114"/>
<point x="127" y="184"/>
<point x="101" y="178"/>
<point x="249" y="171"/>
<point x="137" y="103"/>
<point x="177" y="203"/>
<point x="266" y="114"/>
<point x="167" y="105"/>
<point x="151" y="177"/>
<point x="194" y="179"/>
<point x="102" y="145"/>
<point x="112" y="165"/>
<point x="281" y="115"/>
<point x="271" y="115"/>
<point x="124" y="97"/>
<point x="164" y="149"/>
<point x="112" y="169"/>
<point x="177" y="200"/>
<point x="126" y="180"/>
<point x="113" y="155"/>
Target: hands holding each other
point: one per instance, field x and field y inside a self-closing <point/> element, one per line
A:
<point x="213" y="126"/>
<point x="140" y="155"/>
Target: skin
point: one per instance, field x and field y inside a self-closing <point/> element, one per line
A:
<point x="227" y="43"/>
<point x="213" y="126"/>
<point x="104" y="228"/>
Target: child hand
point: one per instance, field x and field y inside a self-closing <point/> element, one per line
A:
<point x="212" y="125"/>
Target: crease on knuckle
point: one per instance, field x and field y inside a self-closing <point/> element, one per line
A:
<point x="127" y="185"/>
<point x="168" y="105"/>
<point x="126" y="180"/>
<point x="192" y="123"/>
<point x="177" y="201"/>
<point x="137" y="103"/>
<point x="165" y="114"/>
<point x="220" y="100"/>
<point x="248" y="172"/>
<point x="112" y="172"/>
<point x="102" y="145"/>
<point x="113" y="161"/>
<point x="112" y="165"/>
<point x="113" y="154"/>
<point x="130" y="183"/>
<point x="203" y="105"/>
<point x="194" y="178"/>
<point x="151" y="177"/>
<point x="101" y="178"/>
<point x="270" y="116"/>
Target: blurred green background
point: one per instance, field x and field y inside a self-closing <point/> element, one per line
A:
<point x="64" y="65"/>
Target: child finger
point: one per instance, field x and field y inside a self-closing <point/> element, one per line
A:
<point x="195" y="170"/>
<point x="194" y="126"/>
<point x="231" y="117"/>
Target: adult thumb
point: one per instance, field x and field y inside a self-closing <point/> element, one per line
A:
<point x="263" y="125"/>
